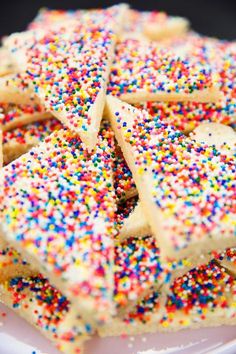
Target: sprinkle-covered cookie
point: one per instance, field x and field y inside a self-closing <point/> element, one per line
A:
<point x="14" y="116"/>
<point x="20" y="140"/>
<point x="43" y="306"/>
<point x="58" y="209"/>
<point x="68" y="69"/>
<point x="187" y="188"/>
<point x="186" y="116"/>
<point x="205" y="296"/>
<point x="144" y="72"/>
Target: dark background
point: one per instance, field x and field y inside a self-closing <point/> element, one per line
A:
<point x="209" y="17"/>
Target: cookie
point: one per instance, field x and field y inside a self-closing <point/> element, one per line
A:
<point x="203" y="297"/>
<point x="44" y="307"/>
<point x="18" y="141"/>
<point x="52" y="19"/>
<point x="62" y="217"/>
<point x="182" y="212"/>
<point x="14" y="116"/>
<point x="71" y="87"/>
<point x="188" y="115"/>
<point x="158" y="26"/>
<point x="15" y="90"/>
<point x="6" y="64"/>
<point x="154" y="25"/>
<point x="222" y="137"/>
<point x="144" y="72"/>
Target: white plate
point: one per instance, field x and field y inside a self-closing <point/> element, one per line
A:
<point x="18" y="337"/>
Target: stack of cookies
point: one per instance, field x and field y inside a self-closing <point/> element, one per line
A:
<point x="118" y="195"/>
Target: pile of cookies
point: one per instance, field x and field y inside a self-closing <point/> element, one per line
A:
<point x="118" y="197"/>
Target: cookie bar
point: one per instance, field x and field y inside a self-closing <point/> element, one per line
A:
<point x="58" y="209"/>
<point x="6" y="64"/>
<point x="52" y="19"/>
<point x="72" y="84"/>
<point x="220" y="136"/>
<point x="154" y="25"/>
<point x="18" y="141"/>
<point x="186" y="116"/>
<point x="15" y="90"/>
<point x="203" y="297"/>
<point x="43" y="306"/>
<point x="14" y="116"/>
<point x="182" y="211"/>
<point x="144" y="72"/>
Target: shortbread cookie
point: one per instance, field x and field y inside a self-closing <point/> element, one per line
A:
<point x="6" y="64"/>
<point x="14" y="116"/>
<point x="183" y="212"/>
<point x="43" y="306"/>
<point x="160" y="26"/>
<point x="143" y="72"/>
<point x="58" y="210"/>
<point x="220" y="136"/>
<point x="203" y="297"/>
<point x="52" y="19"/>
<point x="15" y="90"/>
<point x="186" y="116"/>
<point x="154" y="25"/>
<point x="72" y="84"/>
<point x="18" y="141"/>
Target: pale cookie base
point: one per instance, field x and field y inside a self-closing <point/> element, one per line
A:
<point x="28" y="314"/>
<point x="26" y="119"/>
<point x="208" y="95"/>
<point x="173" y="27"/>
